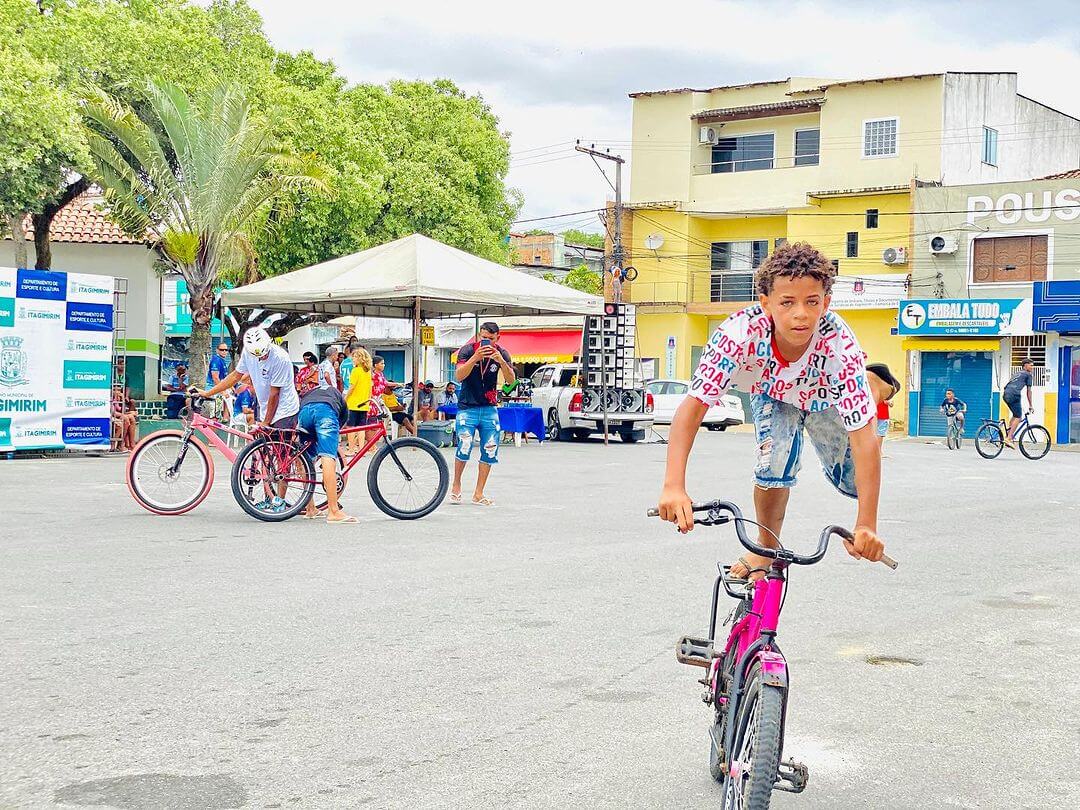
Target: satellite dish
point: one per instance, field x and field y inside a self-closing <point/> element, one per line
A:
<point x="654" y="240"/>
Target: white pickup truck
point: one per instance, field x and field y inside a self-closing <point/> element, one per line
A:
<point x="570" y="415"/>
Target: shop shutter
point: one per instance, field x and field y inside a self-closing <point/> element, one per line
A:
<point x="969" y="374"/>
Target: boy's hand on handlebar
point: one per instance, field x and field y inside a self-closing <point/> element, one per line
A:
<point x="676" y="507"/>
<point x="866" y="545"/>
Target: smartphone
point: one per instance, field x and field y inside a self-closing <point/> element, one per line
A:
<point x="485" y="341"/>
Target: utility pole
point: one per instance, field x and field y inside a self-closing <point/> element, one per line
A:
<point x="617" y="258"/>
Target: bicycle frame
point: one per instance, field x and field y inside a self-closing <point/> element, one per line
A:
<point x="285" y="460"/>
<point x="207" y="428"/>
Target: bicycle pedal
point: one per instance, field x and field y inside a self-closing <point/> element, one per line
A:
<point x="697" y="652"/>
<point x="791" y="777"/>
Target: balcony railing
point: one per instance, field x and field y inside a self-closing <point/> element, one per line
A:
<point x="656" y="292"/>
<point x="755" y="164"/>
<point x="723" y="287"/>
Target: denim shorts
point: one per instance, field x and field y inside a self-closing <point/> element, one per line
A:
<point x="321" y="420"/>
<point x="882" y="427"/>
<point x="780" y="428"/>
<point x="483" y="421"/>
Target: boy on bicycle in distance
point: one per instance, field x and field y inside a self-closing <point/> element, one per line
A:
<point x="805" y="371"/>
<point x="955" y="407"/>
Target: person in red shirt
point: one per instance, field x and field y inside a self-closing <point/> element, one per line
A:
<point x="885" y="387"/>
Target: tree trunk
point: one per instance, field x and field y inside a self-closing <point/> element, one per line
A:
<point x="18" y="236"/>
<point x="202" y="313"/>
<point x="43" y="221"/>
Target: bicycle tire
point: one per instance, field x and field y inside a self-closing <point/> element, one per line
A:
<point x="949" y="440"/>
<point x="985" y="442"/>
<point x="148" y="444"/>
<point x="237" y="482"/>
<point x="1041" y="448"/>
<point x="383" y="454"/>
<point x="760" y="725"/>
<point x="726" y="675"/>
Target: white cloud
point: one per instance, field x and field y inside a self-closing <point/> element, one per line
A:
<point x="561" y="70"/>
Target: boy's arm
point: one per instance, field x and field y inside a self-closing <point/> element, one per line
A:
<point x="866" y="453"/>
<point x="675" y="504"/>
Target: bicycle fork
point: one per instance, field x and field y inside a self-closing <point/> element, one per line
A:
<point x="397" y="461"/>
<point x="184" y="444"/>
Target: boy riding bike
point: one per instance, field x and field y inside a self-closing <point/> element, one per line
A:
<point x="805" y="371"/>
<point x="954" y="408"/>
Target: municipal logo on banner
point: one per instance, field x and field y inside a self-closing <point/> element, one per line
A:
<point x="82" y="287"/>
<point x="5" y="432"/>
<point x="7" y="311"/>
<point x="12" y="362"/>
<point x="41" y="284"/>
<point x="89" y="346"/>
<point x="89" y="317"/>
<point x="85" y="431"/>
<point x="35" y="314"/>
<point x="87" y="374"/>
<point x="35" y="436"/>
<point x="73" y="403"/>
<point x="24" y="404"/>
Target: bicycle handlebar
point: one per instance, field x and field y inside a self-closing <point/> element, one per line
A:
<point x="720" y="512"/>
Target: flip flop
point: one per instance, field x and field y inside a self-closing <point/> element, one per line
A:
<point x="455" y="498"/>
<point x="483" y="502"/>
<point x="749" y="571"/>
<point x="346" y="519"/>
<point x="319" y="514"/>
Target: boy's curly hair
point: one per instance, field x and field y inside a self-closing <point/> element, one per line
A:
<point x="797" y="260"/>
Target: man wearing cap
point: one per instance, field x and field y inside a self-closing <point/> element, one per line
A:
<point x="425" y="402"/>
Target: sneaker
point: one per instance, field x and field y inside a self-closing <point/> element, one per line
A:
<point x="275" y="504"/>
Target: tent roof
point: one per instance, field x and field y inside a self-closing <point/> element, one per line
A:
<point x="386" y="280"/>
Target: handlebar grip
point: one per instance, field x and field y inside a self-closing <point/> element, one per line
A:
<point x="654" y="512"/>
<point x="889" y="561"/>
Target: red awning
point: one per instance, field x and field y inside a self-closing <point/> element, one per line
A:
<point x="542" y="346"/>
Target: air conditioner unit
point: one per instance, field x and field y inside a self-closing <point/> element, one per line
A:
<point x="894" y="255"/>
<point x="707" y="135"/>
<point x="941" y="243"/>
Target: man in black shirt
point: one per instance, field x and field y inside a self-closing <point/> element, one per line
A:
<point x="478" y="366"/>
<point x="322" y="413"/>
<point x="1013" y="392"/>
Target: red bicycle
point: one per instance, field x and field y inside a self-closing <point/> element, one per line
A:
<point x="274" y="478"/>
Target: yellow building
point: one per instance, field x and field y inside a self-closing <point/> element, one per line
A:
<point x="720" y="176"/>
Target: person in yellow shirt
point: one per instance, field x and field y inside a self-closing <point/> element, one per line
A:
<point x="358" y="397"/>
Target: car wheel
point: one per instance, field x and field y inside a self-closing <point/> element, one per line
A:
<point x="553" y="426"/>
<point x="580" y="434"/>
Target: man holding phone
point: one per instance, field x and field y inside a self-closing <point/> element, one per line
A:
<point x="478" y="366"/>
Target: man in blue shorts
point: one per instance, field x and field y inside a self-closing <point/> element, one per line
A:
<point x="322" y="412"/>
<point x="1012" y="395"/>
<point x="478" y="366"/>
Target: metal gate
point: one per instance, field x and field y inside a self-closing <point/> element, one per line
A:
<point x="969" y="374"/>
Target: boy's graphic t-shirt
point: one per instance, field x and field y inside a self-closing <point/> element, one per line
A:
<point x="831" y="374"/>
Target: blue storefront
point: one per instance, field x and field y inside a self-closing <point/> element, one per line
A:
<point x="955" y="343"/>
<point x="1056" y="311"/>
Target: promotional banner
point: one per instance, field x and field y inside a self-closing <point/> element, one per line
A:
<point x="56" y="336"/>
<point x="970" y="317"/>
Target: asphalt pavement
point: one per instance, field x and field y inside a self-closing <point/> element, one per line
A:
<point x="522" y="656"/>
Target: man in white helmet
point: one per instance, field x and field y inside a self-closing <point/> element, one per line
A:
<point x="271" y="372"/>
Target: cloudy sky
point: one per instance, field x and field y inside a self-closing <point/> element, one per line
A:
<point x="560" y="70"/>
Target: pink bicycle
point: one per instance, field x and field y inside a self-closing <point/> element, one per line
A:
<point x="168" y="473"/>
<point x="747" y="683"/>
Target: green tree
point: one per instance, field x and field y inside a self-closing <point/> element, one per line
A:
<point x="117" y="46"/>
<point x="200" y="175"/>
<point x="575" y="237"/>
<point x="581" y="278"/>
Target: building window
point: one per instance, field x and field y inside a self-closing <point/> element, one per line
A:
<point x="1009" y="260"/>
<point x="879" y="138"/>
<point x="871" y="217"/>
<point x="779" y="242"/>
<point x="807" y="147"/>
<point x="852" y="250"/>
<point x="1033" y="348"/>
<point x="745" y="153"/>
<point x="990" y="140"/>
<point x="732" y="269"/>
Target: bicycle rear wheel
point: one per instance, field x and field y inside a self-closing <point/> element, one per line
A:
<point x="950" y="439"/>
<point x="272" y="480"/>
<point x="168" y="475"/>
<point x="755" y="755"/>
<point x="989" y="440"/>
<point x="408" y="478"/>
<point x="1035" y="442"/>
<point x="342" y="478"/>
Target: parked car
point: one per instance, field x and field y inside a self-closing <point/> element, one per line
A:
<point x="569" y="415"/>
<point x="669" y="394"/>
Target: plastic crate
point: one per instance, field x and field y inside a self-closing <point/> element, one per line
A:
<point x="440" y="434"/>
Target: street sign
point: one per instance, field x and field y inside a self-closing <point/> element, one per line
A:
<point x="427" y="335"/>
<point x="973" y="317"/>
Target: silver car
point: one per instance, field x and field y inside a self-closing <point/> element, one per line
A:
<point x="669" y="394"/>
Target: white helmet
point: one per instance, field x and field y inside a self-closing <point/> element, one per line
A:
<point x="257" y="342"/>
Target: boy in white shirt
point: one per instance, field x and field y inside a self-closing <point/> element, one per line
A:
<point x="805" y="371"/>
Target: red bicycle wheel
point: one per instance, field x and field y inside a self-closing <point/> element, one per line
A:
<point x="168" y="475"/>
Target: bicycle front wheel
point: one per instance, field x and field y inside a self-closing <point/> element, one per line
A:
<point x="168" y="474"/>
<point x="408" y="478"/>
<point x="272" y="480"/>
<point x="1035" y="442"/>
<point x="755" y="756"/>
<point x="989" y="440"/>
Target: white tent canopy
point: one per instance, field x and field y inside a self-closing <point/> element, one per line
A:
<point x="391" y="279"/>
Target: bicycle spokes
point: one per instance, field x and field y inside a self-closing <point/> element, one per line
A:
<point x="274" y="478"/>
<point x="165" y="476"/>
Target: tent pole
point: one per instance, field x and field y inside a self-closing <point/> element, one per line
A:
<point x="416" y="364"/>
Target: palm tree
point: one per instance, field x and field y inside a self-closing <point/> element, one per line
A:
<point x="198" y="175"/>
